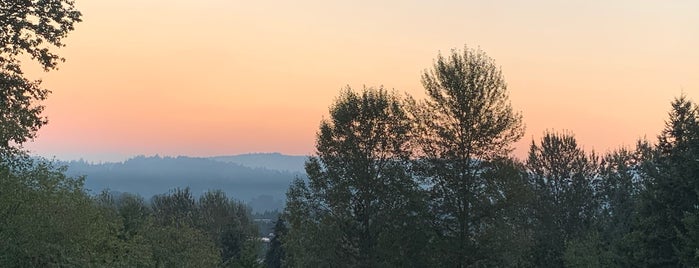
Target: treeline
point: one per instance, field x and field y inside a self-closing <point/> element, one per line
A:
<point x="396" y="182"/>
<point x="399" y="182"/>
<point x="48" y="220"/>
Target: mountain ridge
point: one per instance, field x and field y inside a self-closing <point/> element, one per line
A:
<point x="261" y="181"/>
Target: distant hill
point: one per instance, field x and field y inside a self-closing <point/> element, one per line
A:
<point x="275" y="161"/>
<point x="260" y="182"/>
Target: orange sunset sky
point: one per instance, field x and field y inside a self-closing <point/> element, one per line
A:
<point x="217" y="77"/>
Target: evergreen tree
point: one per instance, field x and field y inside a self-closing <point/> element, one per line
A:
<point x="275" y="255"/>
<point x="668" y="203"/>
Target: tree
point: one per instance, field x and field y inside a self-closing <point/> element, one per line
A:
<point x="175" y="209"/>
<point x="47" y="220"/>
<point x="127" y="229"/>
<point x="621" y="174"/>
<point x="466" y="122"/>
<point x="175" y="238"/>
<point x="564" y="179"/>
<point x="226" y="222"/>
<point x="275" y="254"/>
<point x="34" y="28"/>
<point x="182" y="246"/>
<point x="510" y="239"/>
<point x="668" y="204"/>
<point x="360" y="193"/>
<point x="249" y="257"/>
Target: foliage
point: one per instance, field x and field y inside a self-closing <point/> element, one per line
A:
<point x="226" y="222"/>
<point x="395" y="182"/>
<point x="564" y="180"/>
<point x="275" y="256"/>
<point x="249" y="256"/>
<point x="360" y="197"/>
<point x="465" y="123"/>
<point x="668" y="205"/>
<point x="46" y="220"/>
<point x="33" y="28"/>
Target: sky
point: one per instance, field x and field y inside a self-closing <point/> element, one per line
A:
<point x="221" y="77"/>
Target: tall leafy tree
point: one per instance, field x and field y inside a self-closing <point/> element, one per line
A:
<point x="33" y="28"/>
<point x="466" y="121"/>
<point x="360" y="194"/>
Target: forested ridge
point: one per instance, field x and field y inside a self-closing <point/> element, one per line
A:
<point x="261" y="188"/>
<point x="395" y="182"/>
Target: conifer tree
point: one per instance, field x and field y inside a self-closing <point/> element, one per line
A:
<point x="669" y="202"/>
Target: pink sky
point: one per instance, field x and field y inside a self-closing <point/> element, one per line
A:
<point x="215" y="77"/>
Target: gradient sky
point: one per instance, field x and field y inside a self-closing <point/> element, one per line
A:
<point x="215" y="77"/>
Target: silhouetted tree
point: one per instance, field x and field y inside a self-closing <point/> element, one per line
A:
<point x="668" y="205"/>
<point x="564" y="179"/>
<point x="275" y="255"/>
<point x="466" y="121"/>
<point x="621" y="174"/>
<point x="361" y="195"/>
<point x="29" y="28"/>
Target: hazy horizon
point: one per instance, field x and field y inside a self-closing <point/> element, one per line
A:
<point x="116" y="157"/>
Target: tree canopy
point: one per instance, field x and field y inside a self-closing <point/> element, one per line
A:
<point x="33" y="28"/>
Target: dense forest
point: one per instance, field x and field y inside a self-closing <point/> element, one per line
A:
<point x="395" y="182"/>
<point x="399" y="182"/>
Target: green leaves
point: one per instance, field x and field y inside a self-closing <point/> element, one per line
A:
<point x="47" y="220"/>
